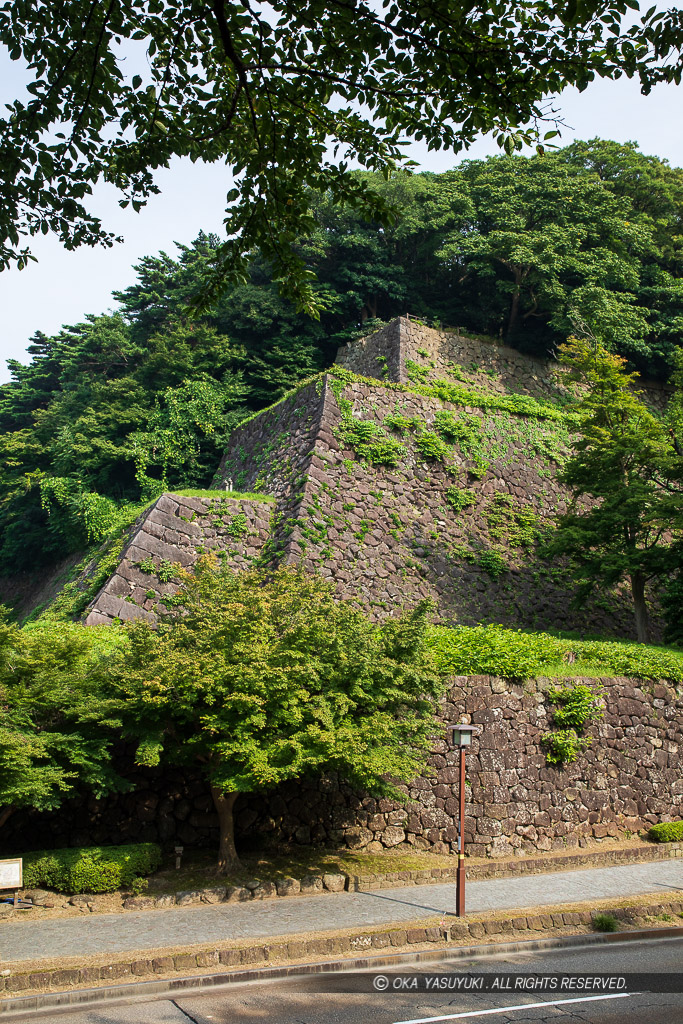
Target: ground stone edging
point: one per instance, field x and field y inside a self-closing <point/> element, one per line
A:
<point x="311" y="885"/>
<point x="486" y="927"/>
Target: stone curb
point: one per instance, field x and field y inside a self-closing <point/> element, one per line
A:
<point x="311" y="885"/>
<point x="44" y="1002"/>
<point x="300" y="949"/>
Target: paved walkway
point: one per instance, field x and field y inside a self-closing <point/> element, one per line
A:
<point x="117" y="933"/>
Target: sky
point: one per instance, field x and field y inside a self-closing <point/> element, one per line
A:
<point x="65" y="286"/>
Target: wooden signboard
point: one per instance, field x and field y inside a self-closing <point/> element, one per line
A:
<point x="11" y="873"/>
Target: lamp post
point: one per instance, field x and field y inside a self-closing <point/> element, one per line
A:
<point x="461" y="737"/>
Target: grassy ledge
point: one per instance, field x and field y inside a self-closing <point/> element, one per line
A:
<point x="514" y="654"/>
<point x="233" y="495"/>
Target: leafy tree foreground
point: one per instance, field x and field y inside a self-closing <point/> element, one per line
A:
<point x="262" y="679"/>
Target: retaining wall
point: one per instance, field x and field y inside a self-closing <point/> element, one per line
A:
<point x="516" y="803"/>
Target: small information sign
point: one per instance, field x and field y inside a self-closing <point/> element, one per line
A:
<point x="11" y="873"/>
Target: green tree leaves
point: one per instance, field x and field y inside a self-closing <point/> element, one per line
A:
<point x="625" y="473"/>
<point x="52" y="735"/>
<point x="288" y="96"/>
<point x="268" y="678"/>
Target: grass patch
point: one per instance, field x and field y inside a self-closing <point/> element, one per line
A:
<point x="233" y="495"/>
<point x="605" y="923"/>
<point x="514" y="654"/>
<point x="199" y="867"/>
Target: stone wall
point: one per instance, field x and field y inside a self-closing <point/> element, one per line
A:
<point x="176" y="530"/>
<point x="393" y="535"/>
<point x="516" y="803"/>
<point x="388" y="535"/>
<point x="480" y="362"/>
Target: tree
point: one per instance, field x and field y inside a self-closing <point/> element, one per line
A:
<point x="540" y="231"/>
<point x="625" y="521"/>
<point x="265" y="678"/>
<point x="288" y="95"/>
<point x="52" y="737"/>
<point x="654" y="192"/>
<point x="672" y="596"/>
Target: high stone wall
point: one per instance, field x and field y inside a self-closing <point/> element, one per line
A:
<point x="457" y="525"/>
<point x="481" y="363"/>
<point x="515" y="804"/>
<point x="390" y="536"/>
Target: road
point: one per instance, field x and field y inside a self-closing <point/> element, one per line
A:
<point x="300" y="1001"/>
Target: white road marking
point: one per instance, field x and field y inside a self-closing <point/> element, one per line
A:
<point x="508" y="1009"/>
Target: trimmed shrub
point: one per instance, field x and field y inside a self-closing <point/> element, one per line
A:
<point x="667" y="832"/>
<point x="90" y="869"/>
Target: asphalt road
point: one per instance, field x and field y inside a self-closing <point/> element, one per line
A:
<point x="300" y="1000"/>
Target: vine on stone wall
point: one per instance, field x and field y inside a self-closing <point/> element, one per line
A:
<point x="577" y="706"/>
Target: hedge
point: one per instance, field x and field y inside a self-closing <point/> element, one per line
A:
<point x="91" y="868"/>
<point x="667" y="832"/>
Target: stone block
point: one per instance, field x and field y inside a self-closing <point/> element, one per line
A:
<point x="214" y="895"/>
<point x="288" y="886"/>
<point x="142" y="967"/>
<point x="312" y="884"/>
<point x="163" y="964"/>
<point x="42" y="979"/>
<point x="230" y="957"/>
<point x="66" y="979"/>
<point x="237" y="894"/>
<point x="209" y="958"/>
<point x="334" y="883"/>
<point x="188" y="897"/>
<point x="184" y="962"/>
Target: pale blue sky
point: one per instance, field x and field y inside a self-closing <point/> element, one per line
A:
<point x="64" y="286"/>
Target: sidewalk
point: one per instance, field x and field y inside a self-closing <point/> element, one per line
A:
<point x="155" y="929"/>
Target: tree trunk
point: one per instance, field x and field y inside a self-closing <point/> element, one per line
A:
<point x="514" y="312"/>
<point x="640" y="608"/>
<point x="227" y="854"/>
<point x="4" y="814"/>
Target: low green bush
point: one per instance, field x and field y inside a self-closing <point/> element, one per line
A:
<point x="667" y="832"/>
<point x="90" y="869"/>
<point x="605" y="923"/>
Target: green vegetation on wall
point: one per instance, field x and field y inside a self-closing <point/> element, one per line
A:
<point x="514" y="654"/>
<point x="575" y="708"/>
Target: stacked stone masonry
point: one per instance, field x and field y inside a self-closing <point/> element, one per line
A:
<point x="388" y="536"/>
<point x="484" y="363"/>
<point x="176" y="530"/>
<point x="516" y="803"/>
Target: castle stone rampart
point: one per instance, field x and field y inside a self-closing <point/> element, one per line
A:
<point x="515" y="804"/>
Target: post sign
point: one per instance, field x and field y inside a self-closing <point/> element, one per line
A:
<point x="11" y="873"/>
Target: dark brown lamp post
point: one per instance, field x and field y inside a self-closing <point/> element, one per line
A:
<point x="461" y="738"/>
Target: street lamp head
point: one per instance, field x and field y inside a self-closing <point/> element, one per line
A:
<point x="461" y="734"/>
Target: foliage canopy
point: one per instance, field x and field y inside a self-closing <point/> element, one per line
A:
<point x="625" y="472"/>
<point x="262" y="679"/>
<point x="52" y="737"/>
<point x="287" y="95"/>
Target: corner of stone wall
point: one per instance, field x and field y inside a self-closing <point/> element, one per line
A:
<point x="176" y="530"/>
